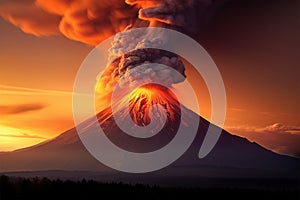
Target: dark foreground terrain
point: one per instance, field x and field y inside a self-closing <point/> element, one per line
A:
<point x="44" y="188"/>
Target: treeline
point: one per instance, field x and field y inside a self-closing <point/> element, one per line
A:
<point x="44" y="188"/>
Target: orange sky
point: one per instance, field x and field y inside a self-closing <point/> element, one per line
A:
<point x="256" y="53"/>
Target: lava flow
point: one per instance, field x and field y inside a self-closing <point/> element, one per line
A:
<point x="145" y="98"/>
<point x="146" y="67"/>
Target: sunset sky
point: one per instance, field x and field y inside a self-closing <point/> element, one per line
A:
<point x="254" y="43"/>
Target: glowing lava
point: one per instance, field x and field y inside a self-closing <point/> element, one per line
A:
<point x="143" y="99"/>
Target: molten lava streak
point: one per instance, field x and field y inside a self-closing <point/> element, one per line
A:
<point x="143" y="99"/>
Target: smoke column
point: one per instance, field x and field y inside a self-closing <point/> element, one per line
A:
<point x="129" y="51"/>
<point x="92" y="21"/>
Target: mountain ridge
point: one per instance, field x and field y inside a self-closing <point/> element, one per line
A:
<point x="233" y="156"/>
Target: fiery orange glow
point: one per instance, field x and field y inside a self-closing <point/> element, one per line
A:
<point x="252" y="60"/>
<point x="142" y="99"/>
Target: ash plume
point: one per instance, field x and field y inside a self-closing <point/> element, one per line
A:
<point x="92" y="21"/>
<point x="130" y="58"/>
<point x="131" y="61"/>
<point x="87" y="21"/>
<point x="189" y="16"/>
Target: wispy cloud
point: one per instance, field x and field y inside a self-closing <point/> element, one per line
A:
<point x="20" y="108"/>
<point x="237" y="109"/>
<point x="12" y="132"/>
<point x="22" y="135"/>
<point x="273" y="128"/>
<point x="242" y="110"/>
<point x="7" y="89"/>
<point x="279" y="128"/>
<point x="278" y="137"/>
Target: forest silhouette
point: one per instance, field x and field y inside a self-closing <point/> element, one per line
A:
<point x="44" y="188"/>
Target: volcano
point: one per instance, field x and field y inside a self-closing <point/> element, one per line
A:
<point x="232" y="157"/>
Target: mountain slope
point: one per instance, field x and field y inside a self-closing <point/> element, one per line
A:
<point x="66" y="152"/>
<point x="232" y="156"/>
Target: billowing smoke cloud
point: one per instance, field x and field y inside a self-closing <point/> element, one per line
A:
<point x="29" y="17"/>
<point x="91" y="21"/>
<point x="87" y="21"/>
<point x="132" y="62"/>
<point x="187" y="15"/>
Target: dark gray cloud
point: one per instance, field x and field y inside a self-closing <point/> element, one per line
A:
<point x="188" y="15"/>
